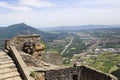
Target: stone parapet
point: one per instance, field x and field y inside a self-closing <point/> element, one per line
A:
<point x="77" y="73"/>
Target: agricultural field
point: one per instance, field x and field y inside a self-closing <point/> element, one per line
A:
<point x="106" y="62"/>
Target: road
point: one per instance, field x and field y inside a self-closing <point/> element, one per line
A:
<point x="95" y="45"/>
<point x="67" y="45"/>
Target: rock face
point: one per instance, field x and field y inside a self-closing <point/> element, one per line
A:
<point x="52" y="58"/>
<point x="76" y="73"/>
<point x="30" y="60"/>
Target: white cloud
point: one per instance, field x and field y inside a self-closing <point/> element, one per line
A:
<point x="75" y="13"/>
<point x="36" y="3"/>
<point x="100" y="3"/>
<point x="26" y="5"/>
<point x="63" y="17"/>
<point x="13" y="7"/>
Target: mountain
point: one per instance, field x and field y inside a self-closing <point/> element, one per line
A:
<point x="19" y="29"/>
<point x="22" y="28"/>
<point x="77" y="28"/>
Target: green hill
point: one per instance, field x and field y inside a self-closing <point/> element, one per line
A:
<point x="20" y="29"/>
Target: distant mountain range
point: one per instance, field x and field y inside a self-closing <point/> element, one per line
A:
<point x="77" y="28"/>
<point x="22" y="28"/>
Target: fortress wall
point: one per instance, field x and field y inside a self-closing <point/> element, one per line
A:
<point x="90" y="74"/>
<point x="19" y="63"/>
<point x="76" y="73"/>
<point x="20" y="40"/>
<point x="71" y="73"/>
<point x="30" y="60"/>
<point x="53" y="58"/>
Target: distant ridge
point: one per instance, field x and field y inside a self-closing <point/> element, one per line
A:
<point x="76" y="28"/>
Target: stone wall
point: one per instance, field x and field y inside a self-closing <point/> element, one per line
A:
<point x="52" y="58"/>
<point x="76" y="73"/>
<point x="20" y="40"/>
<point x="30" y="60"/>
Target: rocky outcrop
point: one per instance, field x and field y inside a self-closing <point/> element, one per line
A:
<point x="30" y="60"/>
<point x="52" y="58"/>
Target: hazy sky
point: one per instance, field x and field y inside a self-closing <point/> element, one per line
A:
<point x="45" y="13"/>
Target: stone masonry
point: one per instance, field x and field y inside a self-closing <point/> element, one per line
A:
<point x="77" y="73"/>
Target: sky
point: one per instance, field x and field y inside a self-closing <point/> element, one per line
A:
<point x="52" y="13"/>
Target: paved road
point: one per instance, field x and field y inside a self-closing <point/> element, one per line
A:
<point x="67" y="45"/>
